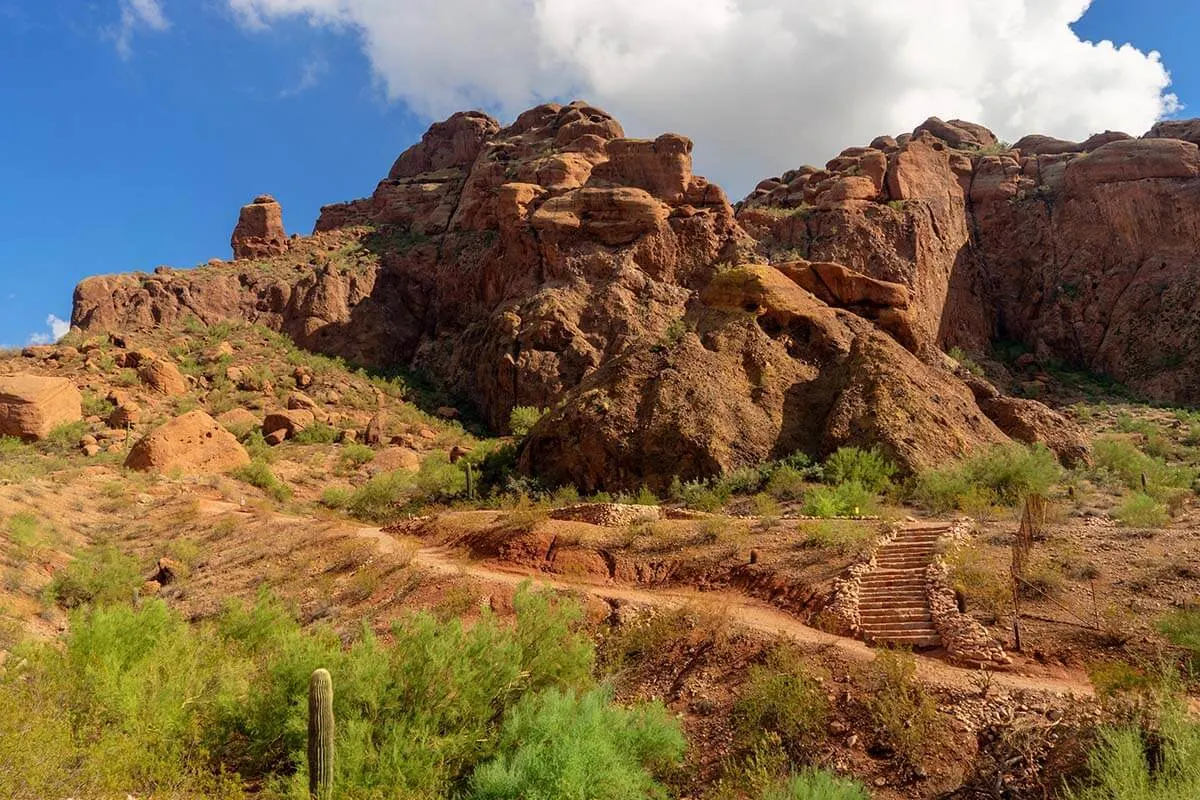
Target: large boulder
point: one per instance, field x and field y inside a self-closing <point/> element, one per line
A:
<point x="163" y="377"/>
<point x="259" y="232"/>
<point x="1035" y="423"/>
<point x="32" y="406"/>
<point x="193" y="444"/>
<point x="767" y="370"/>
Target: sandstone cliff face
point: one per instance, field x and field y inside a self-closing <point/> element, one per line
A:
<point x="555" y="262"/>
<point x="1087" y="252"/>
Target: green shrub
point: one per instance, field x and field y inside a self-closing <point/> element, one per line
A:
<point x="99" y="576"/>
<point x="844" y="500"/>
<point x="1124" y="462"/>
<point x="1182" y="629"/>
<point x="336" y="497"/>
<point x="1129" y="764"/>
<point x="965" y="361"/>
<point x="379" y="499"/>
<point x="438" y="480"/>
<point x="1142" y="511"/>
<point x="65" y="438"/>
<point x="95" y="405"/>
<point x="23" y="530"/>
<point x="1004" y="476"/>
<point x="786" y="483"/>
<point x="868" y="468"/>
<point x="698" y="495"/>
<point x="317" y="433"/>
<point x="138" y="701"/>
<point x="780" y="697"/>
<point x="904" y="714"/>
<point x="817" y="785"/>
<point x="557" y="744"/>
<point x="258" y="473"/>
<point x="356" y="455"/>
<point x="522" y="419"/>
<point x="841" y="536"/>
<point x="744" y="481"/>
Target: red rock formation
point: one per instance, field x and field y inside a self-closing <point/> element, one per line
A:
<point x="557" y="262"/>
<point x="259" y="232"/>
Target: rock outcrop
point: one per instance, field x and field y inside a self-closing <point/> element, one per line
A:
<point x="193" y="444"/>
<point x="32" y="406"/>
<point x="259" y="232"/>
<point x="557" y="263"/>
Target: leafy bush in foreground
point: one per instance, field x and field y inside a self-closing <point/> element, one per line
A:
<point x="140" y="701"/>
<point x="1129" y="764"/>
<point x="817" y="785"/>
<point x="560" y="744"/>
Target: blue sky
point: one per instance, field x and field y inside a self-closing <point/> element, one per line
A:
<point x="129" y="140"/>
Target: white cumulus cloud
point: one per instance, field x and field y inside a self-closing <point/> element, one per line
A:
<point x="761" y="85"/>
<point x="58" y="329"/>
<point x="136" y="15"/>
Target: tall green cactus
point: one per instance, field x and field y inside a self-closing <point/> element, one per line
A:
<point x="320" y="735"/>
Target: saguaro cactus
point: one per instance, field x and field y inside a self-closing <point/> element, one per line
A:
<point x="320" y="735"/>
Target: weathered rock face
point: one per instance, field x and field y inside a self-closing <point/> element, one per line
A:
<point x="32" y="406"/>
<point x="1087" y="252"/>
<point x="193" y="443"/>
<point x="766" y="369"/>
<point x="259" y="232"/>
<point x="555" y="262"/>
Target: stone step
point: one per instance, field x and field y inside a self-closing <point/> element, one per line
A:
<point x="889" y="593"/>
<point x="913" y="564"/>
<point x="911" y="590"/>
<point x="918" y="586"/>
<point x="893" y="605"/>
<point x="891" y="615"/>
<point x="918" y="626"/>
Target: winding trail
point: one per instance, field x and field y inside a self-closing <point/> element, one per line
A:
<point x="743" y="611"/>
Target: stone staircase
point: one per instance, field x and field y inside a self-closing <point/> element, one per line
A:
<point x="892" y="604"/>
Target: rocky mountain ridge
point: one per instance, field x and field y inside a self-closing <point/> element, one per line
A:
<point x="557" y="263"/>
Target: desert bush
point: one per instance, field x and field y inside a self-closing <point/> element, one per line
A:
<point x="781" y="698"/>
<point x="379" y="498"/>
<point x="987" y="587"/>
<point x="845" y="537"/>
<point x="1129" y="763"/>
<point x="559" y="744"/>
<point x="95" y="405"/>
<point x="868" y="468"/>
<point x="317" y="433"/>
<point x="99" y="576"/>
<point x="336" y="497"/>
<point x="850" y="499"/>
<point x="1122" y="461"/>
<point x="698" y="495"/>
<point x="743" y="481"/>
<point x="1004" y="476"/>
<point x="965" y="361"/>
<point x="786" y="483"/>
<point x="1142" y="511"/>
<point x="65" y="438"/>
<point x="258" y="474"/>
<point x="522" y="419"/>
<point x="140" y="701"/>
<point x="902" y="711"/>
<point x="816" y="784"/>
<point x="1182" y="629"/>
<point x="355" y="455"/>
